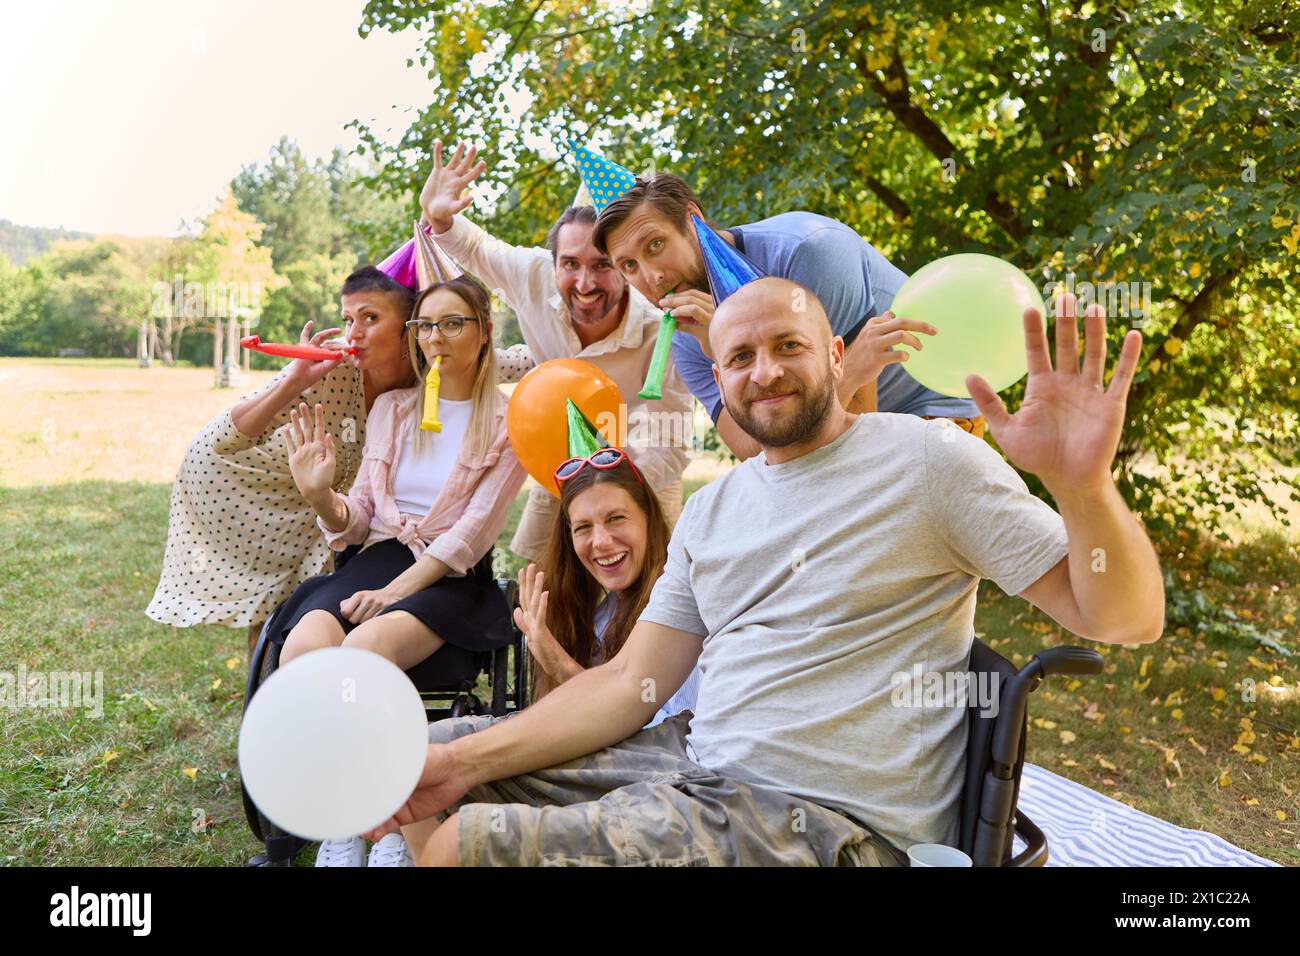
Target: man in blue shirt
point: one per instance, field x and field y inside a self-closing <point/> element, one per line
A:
<point x="647" y="233"/>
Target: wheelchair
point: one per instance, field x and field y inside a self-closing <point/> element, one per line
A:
<point x="506" y="671"/>
<point x="995" y="754"/>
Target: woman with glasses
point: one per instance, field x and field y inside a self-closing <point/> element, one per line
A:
<point x="608" y="546"/>
<point x="427" y="505"/>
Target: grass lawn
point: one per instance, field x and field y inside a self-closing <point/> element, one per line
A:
<point x="89" y="451"/>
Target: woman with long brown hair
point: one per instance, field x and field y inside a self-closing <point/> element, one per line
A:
<point x="608" y="546"/>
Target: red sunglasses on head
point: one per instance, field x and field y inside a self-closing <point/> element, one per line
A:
<point x="604" y="459"/>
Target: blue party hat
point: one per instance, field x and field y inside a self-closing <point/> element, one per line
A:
<point x="726" y="266"/>
<point x="605" y="180"/>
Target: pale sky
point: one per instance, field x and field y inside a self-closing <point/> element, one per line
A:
<point x="127" y="116"/>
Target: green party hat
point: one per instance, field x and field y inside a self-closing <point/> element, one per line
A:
<point x="584" y="439"/>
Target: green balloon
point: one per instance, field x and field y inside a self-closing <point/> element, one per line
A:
<point x="977" y="303"/>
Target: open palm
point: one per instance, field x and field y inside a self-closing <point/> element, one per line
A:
<point x="443" y="193"/>
<point x="311" y="451"/>
<point x="1068" y="427"/>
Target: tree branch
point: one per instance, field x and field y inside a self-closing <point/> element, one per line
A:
<point x="897" y="205"/>
<point x="915" y="119"/>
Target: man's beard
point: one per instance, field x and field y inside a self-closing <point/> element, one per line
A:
<point x="589" y="313"/>
<point x="800" y="426"/>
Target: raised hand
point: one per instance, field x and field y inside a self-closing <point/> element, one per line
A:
<point x="531" y="613"/>
<point x="442" y="196"/>
<point x="1068" y="427"/>
<point x="311" y="451"/>
<point x="873" y="349"/>
<point x="531" y="618"/>
<point x="307" y="373"/>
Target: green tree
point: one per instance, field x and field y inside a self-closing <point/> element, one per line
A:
<point x="1154" y="148"/>
<point x="82" y="295"/>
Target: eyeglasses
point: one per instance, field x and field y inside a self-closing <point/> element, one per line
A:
<point x="604" y="459"/>
<point x="449" y="328"/>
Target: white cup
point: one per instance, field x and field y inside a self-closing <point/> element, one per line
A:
<point x="936" y="854"/>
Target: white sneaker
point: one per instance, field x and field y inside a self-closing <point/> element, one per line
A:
<point x="342" y="852"/>
<point x="391" y="851"/>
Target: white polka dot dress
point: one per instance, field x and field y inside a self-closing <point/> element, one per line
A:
<point x="240" y="538"/>
<point x="514" y="363"/>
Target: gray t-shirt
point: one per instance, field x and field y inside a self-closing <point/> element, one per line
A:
<point x="816" y="581"/>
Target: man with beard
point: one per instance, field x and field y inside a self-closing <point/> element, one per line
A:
<point x="804" y="582"/>
<point x="571" y="303"/>
<point x="647" y="233"/>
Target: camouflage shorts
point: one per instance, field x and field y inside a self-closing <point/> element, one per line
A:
<point x="644" y="802"/>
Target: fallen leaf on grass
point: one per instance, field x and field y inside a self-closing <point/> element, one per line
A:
<point x="1105" y="763"/>
<point x="110" y="756"/>
<point x="191" y="772"/>
<point x="1068" y="736"/>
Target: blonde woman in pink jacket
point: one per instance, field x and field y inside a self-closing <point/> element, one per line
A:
<point x="428" y="506"/>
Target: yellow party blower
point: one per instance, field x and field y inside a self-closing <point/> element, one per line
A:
<point x="432" y="382"/>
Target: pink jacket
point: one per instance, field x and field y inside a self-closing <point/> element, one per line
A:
<point x="470" y="511"/>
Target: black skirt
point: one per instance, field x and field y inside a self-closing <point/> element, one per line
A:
<point x="468" y="613"/>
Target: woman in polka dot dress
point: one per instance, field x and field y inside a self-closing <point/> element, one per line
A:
<point x="240" y="538"/>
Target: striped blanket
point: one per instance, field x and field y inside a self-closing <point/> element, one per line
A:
<point x="1086" y="828"/>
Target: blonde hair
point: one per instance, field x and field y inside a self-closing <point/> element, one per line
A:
<point x="482" y="431"/>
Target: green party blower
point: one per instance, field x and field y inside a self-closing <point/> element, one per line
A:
<point x="654" y="376"/>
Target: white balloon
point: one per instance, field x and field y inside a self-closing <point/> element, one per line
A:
<point x="333" y="743"/>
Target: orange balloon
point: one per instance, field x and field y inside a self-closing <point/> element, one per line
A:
<point x="537" y="418"/>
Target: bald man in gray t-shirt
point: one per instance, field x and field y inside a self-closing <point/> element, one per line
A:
<point x="811" y="584"/>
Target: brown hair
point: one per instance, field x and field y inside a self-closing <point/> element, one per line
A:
<point x="574" y="593"/>
<point x="482" y="429"/>
<point x="583" y="215"/>
<point x="666" y="194"/>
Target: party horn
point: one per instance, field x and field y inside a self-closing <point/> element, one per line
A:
<point x="654" y="376"/>
<point x="312" y="353"/>
<point x="432" y="382"/>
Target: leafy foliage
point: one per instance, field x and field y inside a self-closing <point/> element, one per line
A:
<point x="1152" y="151"/>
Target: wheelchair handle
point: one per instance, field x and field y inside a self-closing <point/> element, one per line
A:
<point x="1067" y="660"/>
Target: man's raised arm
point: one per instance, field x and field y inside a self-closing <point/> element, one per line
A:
<point x="1066" y="431"/>
<point x="520" y="273"/>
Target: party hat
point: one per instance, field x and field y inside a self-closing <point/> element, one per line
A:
<point x="401" y="267"/>
<point x="605" y="180"/>
<point x="584" y="439"/>
<point x="727" y="267"/>
<point x="431" y="263"/>
<point x="583" y="198"/>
